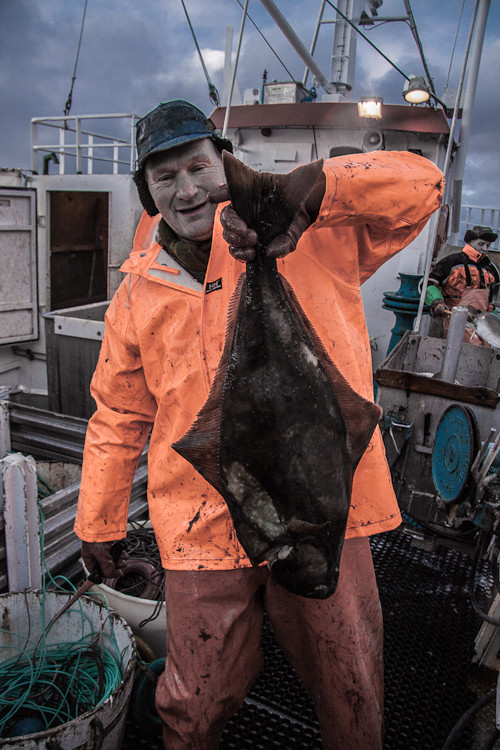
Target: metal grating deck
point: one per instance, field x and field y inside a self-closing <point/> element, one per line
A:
<point x="429" y="637"/>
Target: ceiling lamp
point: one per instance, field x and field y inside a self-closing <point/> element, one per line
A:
<point x="416" y="90"/>
<point x="370" y="107"/>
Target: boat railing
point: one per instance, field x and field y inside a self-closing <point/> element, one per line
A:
<point x="76" y="147"/>
<point x="480" y="216"/>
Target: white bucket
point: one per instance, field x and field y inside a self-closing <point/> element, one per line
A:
<point x="134" y="610"/>
<point x="101" y="728"/>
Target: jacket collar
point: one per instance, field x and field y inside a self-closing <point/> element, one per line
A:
<point x="474" y="255"/>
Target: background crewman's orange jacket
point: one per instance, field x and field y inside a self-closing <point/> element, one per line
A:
<point x="163" y="342"/>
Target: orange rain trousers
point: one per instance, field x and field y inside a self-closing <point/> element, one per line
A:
<point x="214" y="621"/>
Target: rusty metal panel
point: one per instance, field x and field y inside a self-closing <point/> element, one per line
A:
<point x="18" y="264"/>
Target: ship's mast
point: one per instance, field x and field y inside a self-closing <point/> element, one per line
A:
<point x="465" y="127"/>
<point x="341" y="79"/>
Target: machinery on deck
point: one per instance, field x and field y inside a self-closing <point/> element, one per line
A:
<point x="441" y="429"/>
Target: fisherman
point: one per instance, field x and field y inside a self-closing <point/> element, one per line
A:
<point x="467" y="278"/>
<point x="163" y="340"/>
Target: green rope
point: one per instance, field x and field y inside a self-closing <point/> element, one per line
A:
<point x="56" y="683"/>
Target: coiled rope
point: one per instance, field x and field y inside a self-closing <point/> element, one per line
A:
<point x="55" y="683"/>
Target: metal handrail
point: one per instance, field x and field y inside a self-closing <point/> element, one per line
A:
<point x="84" y="143"/>
<point x="481" y="216"/>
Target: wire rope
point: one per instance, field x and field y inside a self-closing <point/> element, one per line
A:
<point x="69" y="100"/>
<point x="273" y="50"/>
<point x="212" y="91"/>
<point x="454" y="45"/>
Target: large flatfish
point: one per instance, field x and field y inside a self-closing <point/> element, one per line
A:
<point x="282" y="431"/>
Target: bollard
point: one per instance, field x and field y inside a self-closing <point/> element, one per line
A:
<point x="454" y="340"/>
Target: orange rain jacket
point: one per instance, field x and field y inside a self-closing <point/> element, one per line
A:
<point x="163" y="341"/>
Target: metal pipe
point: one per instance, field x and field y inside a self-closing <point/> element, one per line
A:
<point x="233" y="77"/>
<point x="314" y="39"/>
<point x="427" y="268"/>
<point x="296" y="43"/>
<point x="456" y="107"/>
<point x="5" y="444"/>
<point x="78" y="146"/>
<point x="132" y="144"/>
<point x="470" y="92"/>
<point x="447" y="161"/>
<point x="454" y="340"/>
<point x="34" y="153"/>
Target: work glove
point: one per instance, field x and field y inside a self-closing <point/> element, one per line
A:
<point x="105" y="557"/>
<point x="438" y="309"/>
<point x="242" y="240"/>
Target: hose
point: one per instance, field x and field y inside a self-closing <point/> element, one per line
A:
<point x="468" y="715"/>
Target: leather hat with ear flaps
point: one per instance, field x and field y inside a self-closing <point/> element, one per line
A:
<point x="172" y="124"/>
<point x="480" y="233"/>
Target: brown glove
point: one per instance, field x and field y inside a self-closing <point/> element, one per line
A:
<point x="106" y="557"/>
<point x="438" y="309"/>
<point x="241" y="239"/>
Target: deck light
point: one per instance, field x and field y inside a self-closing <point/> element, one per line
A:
<point x="416" y="90"/>
<point x="370" y="107"/>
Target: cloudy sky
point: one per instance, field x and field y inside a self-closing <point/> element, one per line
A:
<point x="135" y="53"/>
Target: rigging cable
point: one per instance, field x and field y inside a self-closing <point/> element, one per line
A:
<point x="368" y="40"/>
<point x="415" y="34"/>
<point x="212" y="91"/>
<point x="302" y="86"/>
<point x="379" y="50"/>
<point x="454" y="45"/>
<point x="67" y="106"/>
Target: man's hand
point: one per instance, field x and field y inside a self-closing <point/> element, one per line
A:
<point x="99" y="556"/>
<point x="242" y="240"/>
<point x="438" y="309"/>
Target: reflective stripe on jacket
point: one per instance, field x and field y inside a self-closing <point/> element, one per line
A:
<point x="163" y="342"/>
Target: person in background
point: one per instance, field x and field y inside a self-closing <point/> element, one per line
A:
<point x="467" y="278"/>
<point x="164" y="336"/>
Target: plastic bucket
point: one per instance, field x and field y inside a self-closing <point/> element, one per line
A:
<point x="134" y="610"/>
<point x="101" y="728"/>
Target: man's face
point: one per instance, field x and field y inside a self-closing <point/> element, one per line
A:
<point x="480" y="245"/>
<point x="179" y="181"/>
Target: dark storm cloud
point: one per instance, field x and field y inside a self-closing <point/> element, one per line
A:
<point x="135" y="54"/>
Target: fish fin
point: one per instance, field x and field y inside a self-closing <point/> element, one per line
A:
<point x="299" y="529"/>
<point x="361" y="415"/>
<point x="268" y="202"/>
<point x="200" y="444"/>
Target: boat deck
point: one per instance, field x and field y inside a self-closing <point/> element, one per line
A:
<point x="430" y="682"/>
